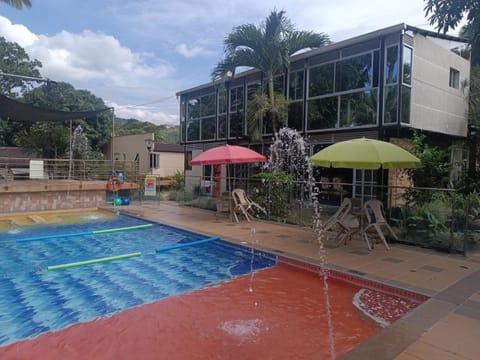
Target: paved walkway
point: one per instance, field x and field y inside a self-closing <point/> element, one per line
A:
<point x="447" y="326"/>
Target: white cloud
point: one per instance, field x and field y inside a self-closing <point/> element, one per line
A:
<point x="16" y="33"/>
<point x="145" y="113"/>
<point x="194" y="51"/>
<point x="100" y="64"/>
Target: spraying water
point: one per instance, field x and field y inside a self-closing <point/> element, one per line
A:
<point x="253" y="240"/>
<point x="288" y="153"/>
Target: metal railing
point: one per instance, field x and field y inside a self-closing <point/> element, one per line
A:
<point x="61" y="169"/>
<point x="440" y="219"/>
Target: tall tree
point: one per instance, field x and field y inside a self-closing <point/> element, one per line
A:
<point x="15" y="60"/>
<point x="446" y="15"/>
<point x="267" y="48"/>
<point x="18" y="4"/>
<point x="64" y="97"/>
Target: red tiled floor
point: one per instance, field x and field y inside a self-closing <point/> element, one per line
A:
<point x="283" y="317"/>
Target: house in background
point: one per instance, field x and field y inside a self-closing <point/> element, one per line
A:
<point x="162" y="160"/>
<point x="381" y="85"/>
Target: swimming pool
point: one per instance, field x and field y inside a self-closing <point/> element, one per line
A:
<point x="35" y="300"/>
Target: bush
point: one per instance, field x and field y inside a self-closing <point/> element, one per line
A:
<point x="273" y="193"/>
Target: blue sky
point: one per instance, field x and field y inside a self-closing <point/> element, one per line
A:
<point x="136" y="55"/>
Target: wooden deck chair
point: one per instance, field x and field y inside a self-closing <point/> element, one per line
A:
<point x="342" y="222"/>
<point x="376" y="220"/>
<point x="243" y="205"/>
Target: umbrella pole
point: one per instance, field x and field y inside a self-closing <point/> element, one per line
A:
<point x="362" y="201"/>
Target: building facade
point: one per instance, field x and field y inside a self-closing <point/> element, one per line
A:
<point x="379" y="85"/>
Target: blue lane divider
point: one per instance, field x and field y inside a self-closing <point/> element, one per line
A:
<point x="94" y="232"/>
<point x="177" y="246"/>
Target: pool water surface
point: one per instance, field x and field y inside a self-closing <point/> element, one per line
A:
<point x="35" y="300"/>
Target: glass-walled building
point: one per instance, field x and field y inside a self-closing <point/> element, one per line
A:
<point x="379" y="85"/>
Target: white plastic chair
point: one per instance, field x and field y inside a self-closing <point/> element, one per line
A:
<point x="376" y="220"/>
<point x="243" y="205"/>
<point x="342" y="222"/>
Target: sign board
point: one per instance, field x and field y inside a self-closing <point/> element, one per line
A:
<point x="150" y="185"/>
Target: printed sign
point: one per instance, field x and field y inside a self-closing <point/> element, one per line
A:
<point x="150" y="185"/>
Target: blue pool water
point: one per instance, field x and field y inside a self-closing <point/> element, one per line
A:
<point x="34" y="300"/>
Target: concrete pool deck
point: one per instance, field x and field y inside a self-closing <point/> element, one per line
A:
<point x="444" y="327"/>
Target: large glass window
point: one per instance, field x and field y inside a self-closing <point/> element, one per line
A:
<point x="193" y="130"/>
<point x="320" y="80"/>
<point x="222" y="100"/>
<point x="407" y="65"/>
<point x="201" y="112"/>
<point x="253" y="129"/>
<point x="236" y="125"/>
<point x="391" y="65"/>
<point x="194" y="108"/>
<point x="295" y="85"/>
<point x="207" y="105"/>
<point x="208" y="128"/>
<point x="182" y="119"/>
<point x="279" y="84"/>
<point x="236" y="99"/>
<point x="354" y="73"/>
<point x="322" y="113"/>
<point x="295" y="115"/>
<point x="390" y="100"/>
<point x="358" y="109"/>
<point x="405" y="110"/>
<point x="390" y="105"/>
<point x="222" y="126"/>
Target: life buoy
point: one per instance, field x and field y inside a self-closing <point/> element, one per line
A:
<point x="114" y="184"/>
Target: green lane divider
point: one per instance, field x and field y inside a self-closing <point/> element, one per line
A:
<point x="177" y="246"/>
<point x="93" y="261"/>
<point x="48" y="237"/>
<point x="122" y="229"/>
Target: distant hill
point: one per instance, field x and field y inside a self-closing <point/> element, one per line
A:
<point x="163" y="133"/>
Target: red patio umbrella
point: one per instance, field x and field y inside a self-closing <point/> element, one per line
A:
<point x="226" y="154"/>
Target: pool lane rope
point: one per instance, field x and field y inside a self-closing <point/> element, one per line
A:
<point x="48" y="237"/>
<point x="177" y="246"/>
<point x="93" y="261"/>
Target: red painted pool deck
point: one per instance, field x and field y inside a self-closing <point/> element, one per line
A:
<point x="276" y="313"/>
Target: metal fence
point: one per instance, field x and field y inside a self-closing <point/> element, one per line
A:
<point x="440" y="219"/>
<point x="61" y="169"/>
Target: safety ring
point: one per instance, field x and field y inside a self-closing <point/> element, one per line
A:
<point x="114" y="184"/>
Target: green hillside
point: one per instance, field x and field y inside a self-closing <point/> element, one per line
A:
<point x="163" y="133"/>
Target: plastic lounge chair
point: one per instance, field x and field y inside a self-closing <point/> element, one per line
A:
<point x="342" y="222"/>
<point x="243" y="205"/>
<point x="376" y="220"/>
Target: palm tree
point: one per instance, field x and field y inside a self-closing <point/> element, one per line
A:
<point x="18" y="4"/>
<point x="267" y="48"/>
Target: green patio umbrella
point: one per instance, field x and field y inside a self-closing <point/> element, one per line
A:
<point x="365" y="154"/>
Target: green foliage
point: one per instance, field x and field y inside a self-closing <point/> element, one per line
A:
<point x="64" y="97"/>
<point x="45" y="139"/>
<point x="260" y="106"/>
<point x="446" y="15"/>
<point x="267" y="48"/>
<point x="18" y="4"/>
<point x="15" y="60"/>
<point x="435" y="169"/>
<point x="273" y="193"/>
<point x="179" y="181"/>
<point x="163" y="133"/>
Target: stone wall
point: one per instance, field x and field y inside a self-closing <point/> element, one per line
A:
<point x="51" y="200"/>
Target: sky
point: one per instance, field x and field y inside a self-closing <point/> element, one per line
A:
<point x="137" y="54"/>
